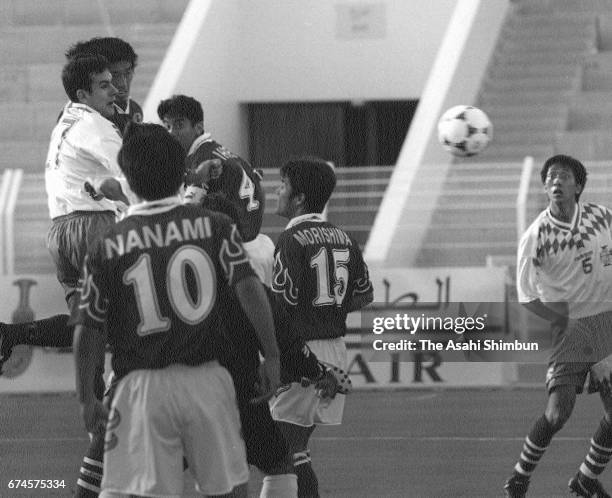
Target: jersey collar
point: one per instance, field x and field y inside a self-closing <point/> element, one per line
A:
<point x="118" y="109"/>
<point x="148" y="208"/>
<point x="204" y="137"/>
<point x="563" y="224"/>
<point x="305" y="217"/>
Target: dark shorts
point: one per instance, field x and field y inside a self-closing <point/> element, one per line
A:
<point x="583" y="343"/>
<point x="265" y="445"/>
<point x="68" y="240"/>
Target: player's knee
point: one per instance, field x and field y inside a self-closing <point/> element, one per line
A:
<point x="557" y="416"/>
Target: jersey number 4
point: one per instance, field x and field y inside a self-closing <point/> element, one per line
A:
<point x="247" y="191"/>
<point x="187" y="309"/>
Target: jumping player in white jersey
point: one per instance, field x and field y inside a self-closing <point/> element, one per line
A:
<point x="564" y="275"/>
<point x="122" y="62"/>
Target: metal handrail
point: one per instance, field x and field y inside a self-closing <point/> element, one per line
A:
<point x="4" y="193"/>
<point x="9" y="221"/>
<point x="523" y="193"/>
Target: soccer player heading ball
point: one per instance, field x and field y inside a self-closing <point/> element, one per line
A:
<point x="564" y="275"/>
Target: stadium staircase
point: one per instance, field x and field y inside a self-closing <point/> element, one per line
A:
<point x="548" y="89"/>
<point x="33" y="39"/>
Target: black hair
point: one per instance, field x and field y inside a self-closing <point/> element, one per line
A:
<point x="77" y="73"/>
<point x="114" y="49"/>
<point x="578" y="169"/>
<point x="313" y="177"/>
<point x="152" y="160"/>
<point x="181" y="106"/>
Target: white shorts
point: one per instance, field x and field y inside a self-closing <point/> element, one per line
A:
<point x="159" y="416"/>
<point x="300" y="405"/>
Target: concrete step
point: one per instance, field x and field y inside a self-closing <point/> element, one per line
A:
<point x="437" y="234"/>
<point x="525" y="57"/>
<point x="575" y="7"/>
<point x="548" y="32"/>
<point x="525" y="112"/>
<point x="464" y="255"/>
<point x="88" y="12"/>
<point x="508" y="124"/>
<point x="526" y="137"/>
<point x="27" y="155"/>
<point x="47" y="44"/>
<point x="597" y="72"/>
<point x="538" y="83"/>
<point x="557" y="18"/>
<point x="516" y="152"/>
<point x="518" y="97"/>
<point x="584" y="43"/>
<point x="29" y="119"/>
<point x="552" y="70"/>
<point x="585" y="144"/>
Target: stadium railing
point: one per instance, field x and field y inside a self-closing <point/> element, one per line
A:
<point x="9" y="188"/>
<point x="522" y="196"/>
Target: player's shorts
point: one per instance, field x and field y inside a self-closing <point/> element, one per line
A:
<point x="68" y="240"/>
<point x="300" y="405"/>
<point x="585" y="342"/>
<point x="159" y="416"/>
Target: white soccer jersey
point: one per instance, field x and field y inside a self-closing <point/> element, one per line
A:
<point x="261" y="256"/>
<point x="84" y="146"/>
<point x="568" y="262"/>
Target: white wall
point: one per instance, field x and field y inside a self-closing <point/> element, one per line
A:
<point x="291" y="50"/>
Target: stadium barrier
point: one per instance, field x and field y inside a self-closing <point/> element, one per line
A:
<point x="424" y="292"/>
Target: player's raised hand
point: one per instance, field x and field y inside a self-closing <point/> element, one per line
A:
<point x="269" y="374"/>
<point x="204" y="172"/>
<point x="95" y="415"/>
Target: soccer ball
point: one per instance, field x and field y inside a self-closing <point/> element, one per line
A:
<point x="464" y="130"/>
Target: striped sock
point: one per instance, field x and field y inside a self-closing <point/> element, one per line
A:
<point x="600" y="451"/>
<point x="308" y="485"/>
<point x="534" y="447"/>
<point x="90" y="479"/>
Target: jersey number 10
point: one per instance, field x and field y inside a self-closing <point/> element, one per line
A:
<point x="187" y="309"/>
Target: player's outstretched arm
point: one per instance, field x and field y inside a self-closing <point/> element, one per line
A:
<point x="89" y="345"/>
<point x="254" y="302"/>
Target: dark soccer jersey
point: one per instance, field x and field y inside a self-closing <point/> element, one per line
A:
<point x="241" y="355"/>
<point x="121" y="119"/>
<point x="317" y="269"/>
<point x="156" y="278"/>
<point x="238" y="181"/>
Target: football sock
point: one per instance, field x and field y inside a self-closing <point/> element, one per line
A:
<point x="600" y="451"/>
<point x="52" y="332"/>
<point x="308" y="485"/>
<point x="534" y="447"/>
<point x="90" y="475"/>
<point x="279" y="486"/>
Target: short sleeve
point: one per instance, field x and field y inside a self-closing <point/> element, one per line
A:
<point x="286" y="271"/>
<point x="92" y="302"/>
<point x="527" y="268"/>
<point x="233" y="258"/>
